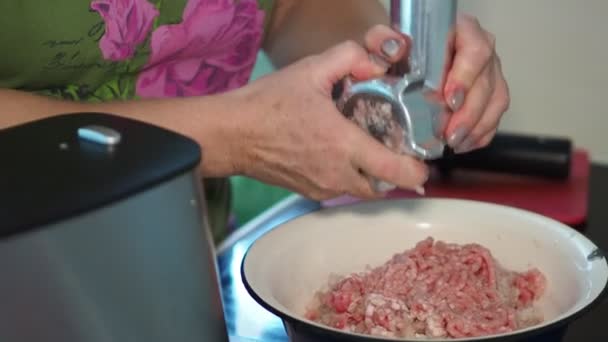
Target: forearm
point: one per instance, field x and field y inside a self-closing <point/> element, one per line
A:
<point x="210" y="121"/>
<point x="300" y="28"/>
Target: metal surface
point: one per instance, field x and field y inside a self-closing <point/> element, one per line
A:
<point x="141" y="269"/>
<point x="245" y="318"/>
<point x="249" y="322"/>
<point x="429" y="23"/>
<point x="415" y="98"/>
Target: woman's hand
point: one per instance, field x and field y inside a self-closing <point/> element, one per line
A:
<point x="292" y="135"/>
<point x="475" y="87"/>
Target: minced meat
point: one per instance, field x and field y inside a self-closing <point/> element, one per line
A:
<point x="436" y="290"/>
<point x="377" y="118"/>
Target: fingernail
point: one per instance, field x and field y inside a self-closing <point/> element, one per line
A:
<point x="379" y="61"/>
<point x="391" y="47"/>
<point x="456" y="100"/>
<point x="458" y="136"/>
<point x="465" y="146"/>
<point x="420" y="190"/>
<point x="383" y="187"/>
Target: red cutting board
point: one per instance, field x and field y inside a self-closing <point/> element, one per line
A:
<point x="565" y="201"/>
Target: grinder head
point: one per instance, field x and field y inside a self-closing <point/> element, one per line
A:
<point x="399" y="112"/>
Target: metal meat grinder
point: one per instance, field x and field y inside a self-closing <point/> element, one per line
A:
<point x="103" y="234"/>
<point x="407" y="111"/>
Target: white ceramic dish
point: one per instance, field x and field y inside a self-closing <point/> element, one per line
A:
<point x="284" y="268"/>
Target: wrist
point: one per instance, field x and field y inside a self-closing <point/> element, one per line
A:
<point x="224" y="140"/>
<point x="243" y="122"/>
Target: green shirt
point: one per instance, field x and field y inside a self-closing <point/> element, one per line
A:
<point x="103" y="50"/>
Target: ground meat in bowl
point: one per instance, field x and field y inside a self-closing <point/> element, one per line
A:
<point x="435" y="290"/>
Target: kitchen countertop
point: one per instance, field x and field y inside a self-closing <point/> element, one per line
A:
<point x="247" y="321"/>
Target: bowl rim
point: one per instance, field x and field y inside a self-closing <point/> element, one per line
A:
<point x="528" y="332"/>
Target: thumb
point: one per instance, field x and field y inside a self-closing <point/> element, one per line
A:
<point x="380" y="163"/>
<point x="348" y="59"/>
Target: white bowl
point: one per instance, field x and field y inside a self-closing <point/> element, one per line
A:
<point x="283" y="269"/>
